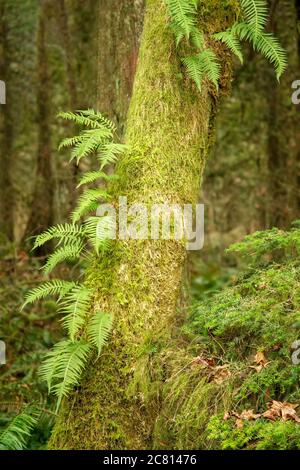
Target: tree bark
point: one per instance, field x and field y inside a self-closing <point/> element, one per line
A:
<point x="43" y="198"/>
<point x="168" y="134"/>
<point x="284" y="142"/>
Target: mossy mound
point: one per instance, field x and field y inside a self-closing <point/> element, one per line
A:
<point x="240" y="357"/>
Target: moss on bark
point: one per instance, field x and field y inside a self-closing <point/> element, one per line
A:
<point x="168" y="134"/>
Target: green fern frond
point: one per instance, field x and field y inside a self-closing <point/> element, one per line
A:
<point x="100" y="231"/>
<point x="63" y="367"/>
<point x="197" y="38"/>
<point x="65" y="232"/>
<point x="232" y="42"/>
<point x="256" y="14"/>
<point x="183" y="14"/>
<point x="194" y="69"/>
<point x="95" y="115"/>
<point x="270" y="47"/>
<point x="90" y="198"/>
<point x="99" y="328"/>
<point x="70" y="142"/>
<point x="65" y="253"/>
<point x="91" y="140"/>
<point x="75" y="307"/>
<point x="87" y="118"/>
<point x="93" y="176"/>
<point x="17" y="433"/>
<point x="203" y="65"/>
<point x="55" y="287"/>
<point x="109" y="153"/>
<point x="210" y="66"/>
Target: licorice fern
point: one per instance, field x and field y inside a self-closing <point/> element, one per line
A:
<point x="203" y="64"/>
<point x="87" y="331"/>
<point x="99" y="329"/>
<point x="17" y="433"/>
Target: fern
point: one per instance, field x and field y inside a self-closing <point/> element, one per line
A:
<point x="93" y="176"/>
<point x="75" y="308"/>
<point x="183" y="13"/>
<point x="99" y="328"/>
<point x="55" y="287"/>
<point x="232" y="42"/>
<point x="88" y="118"/>
<point x="100" y="231"/>
<point x="66" y="233"/>
<point x="89" y="199"/>
<point x="109" y="153"/>
<point x="68" y="252"/>
<point x="63" y="367"/>
<point x="15" y="436"/>
<point x="256" y="14"/>
<point x="203" y="65"/>
<point x="64" y="363"/>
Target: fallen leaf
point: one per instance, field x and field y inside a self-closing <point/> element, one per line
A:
<point x="249" y="415"/>
<point x="239" y="423"/>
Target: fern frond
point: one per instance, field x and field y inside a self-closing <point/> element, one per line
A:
<point x="65" y="232"/>
<point x="269" y="46"/>
<point x="183" y="14"/>
<point x="15" y="436"/>
<point x="91" y="140"/>
<point x="55" y="287"/>
<point x="100" y="231"/>
<point x="256" y="14"/>
<point x="201" y="65"/>
<point x="109" y="153"/>
<point x="194" y="69"/>
<point x="99" y="328"/>
<point x="93" y="176"/>
<point x="210" y="66"/>
<point x="232" y="42"/>
<point x="70" y="142"/>
<point x="95" y="115"/>
<point x="63" y="366"/>
<point x="88" y="199"/>
<point x="197" y="38"/>
<point x="87" y="118"/>
<point x="67" y="252"/>
<point x="75" y="307"/>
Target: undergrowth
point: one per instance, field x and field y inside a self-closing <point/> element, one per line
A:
<point x="238" y="363"/>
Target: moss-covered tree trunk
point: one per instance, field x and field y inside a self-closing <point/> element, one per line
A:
<point x="168" y="134"/>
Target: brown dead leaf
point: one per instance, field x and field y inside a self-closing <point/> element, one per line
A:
<point x="239" y="423"/>
<point x="260" y="358"/>
<point x="227" y="416"/>
<point x="284" y="410"/>
<point x="249" y="415"/>
<point x="221" y="373"/>
<point x="271" y="414"/>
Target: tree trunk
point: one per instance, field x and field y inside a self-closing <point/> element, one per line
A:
<point x="284" y="142"/>
<point x="168" y="134"/>
<point x="120" y="26"/>
<point x="42" y="213"/>
<point x="6" y="194"/>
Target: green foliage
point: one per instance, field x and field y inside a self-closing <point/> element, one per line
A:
<point x="63" y="367"/>
<point x="17" y="433"/>
<point x="64" y="364"/>
<point x="56" y="287"/>
<point x="203" y="64"/>
<point x="99" y="329"/>
<point x="259" y="313"/>
<point x="75" y="308"/>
